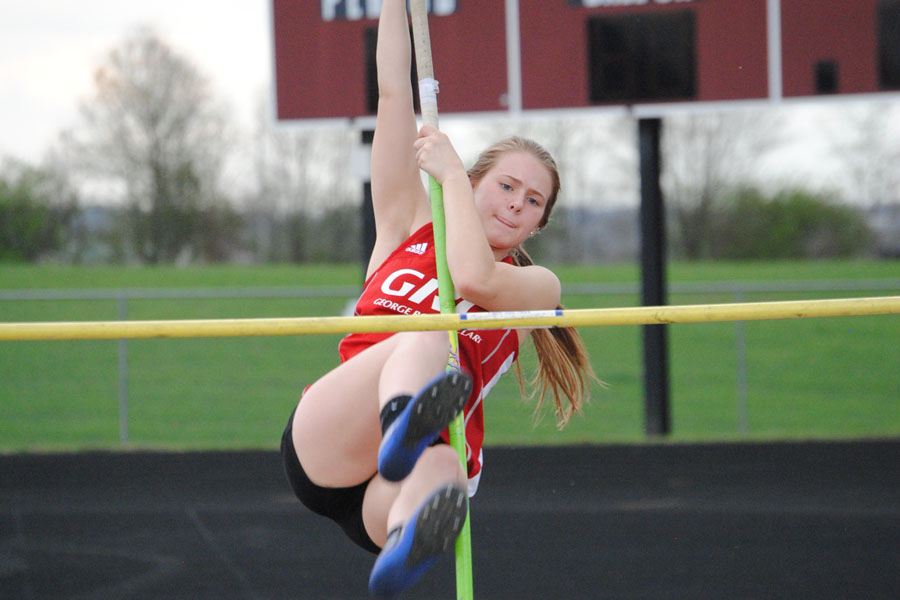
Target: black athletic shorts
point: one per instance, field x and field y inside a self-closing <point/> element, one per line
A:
<point x="341" y="505"/>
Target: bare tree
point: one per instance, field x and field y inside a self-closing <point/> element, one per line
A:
<point x="866" y="143"/>
<point x="703" y="156"/>
<point x="154" y="131"/>
<point x="302" y="174"/>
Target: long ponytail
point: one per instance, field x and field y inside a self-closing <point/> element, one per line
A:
<point x="563" y="367"/>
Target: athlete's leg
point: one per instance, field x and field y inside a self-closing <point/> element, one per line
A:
<point x="336" y="429"/>
<point x="423" y="521"/>
<point x="437" y="467"/>
<point x="388" y="505"/>
<point x="400" y="375"/>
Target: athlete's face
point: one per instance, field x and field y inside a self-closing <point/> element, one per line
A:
<point x="511" y="199"/>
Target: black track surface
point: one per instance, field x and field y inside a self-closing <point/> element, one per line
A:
<point x="754" y="521"/>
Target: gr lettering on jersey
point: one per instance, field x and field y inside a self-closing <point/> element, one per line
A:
<point x="354" y="10"/>
<point x="412" y="286"/>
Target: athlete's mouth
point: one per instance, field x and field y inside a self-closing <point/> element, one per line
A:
<point x="505" y="222"/>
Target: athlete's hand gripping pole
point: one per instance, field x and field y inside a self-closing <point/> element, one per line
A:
<point x="428" y="89"/>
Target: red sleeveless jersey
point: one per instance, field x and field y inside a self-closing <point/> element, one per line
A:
<point x="406" y="284"/>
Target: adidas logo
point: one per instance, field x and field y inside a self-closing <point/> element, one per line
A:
<point x="418" y="248"/>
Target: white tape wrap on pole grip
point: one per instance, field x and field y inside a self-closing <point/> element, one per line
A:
<point x="428" y="91"/>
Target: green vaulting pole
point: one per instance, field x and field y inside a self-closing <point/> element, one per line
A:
<point x="428" y="102"/>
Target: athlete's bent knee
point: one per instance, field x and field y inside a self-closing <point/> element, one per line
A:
<point x="442" y="464"/>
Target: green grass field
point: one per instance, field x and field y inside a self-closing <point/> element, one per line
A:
<point x="816" y="378"/>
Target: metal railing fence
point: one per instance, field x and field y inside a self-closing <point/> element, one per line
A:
<point x="737" y="289"/>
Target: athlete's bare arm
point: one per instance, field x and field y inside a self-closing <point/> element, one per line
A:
<point x="398" y="196"/>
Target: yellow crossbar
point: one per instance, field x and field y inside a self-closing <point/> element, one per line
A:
<point x="642" y="315"/>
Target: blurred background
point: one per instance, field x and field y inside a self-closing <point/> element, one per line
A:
<point x="121" y="117"/>
<point x="145" y="173"/>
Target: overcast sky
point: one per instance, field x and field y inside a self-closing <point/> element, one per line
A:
<point x="49" y="50"/>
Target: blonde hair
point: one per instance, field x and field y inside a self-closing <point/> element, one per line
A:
<point x="563" y="367"/>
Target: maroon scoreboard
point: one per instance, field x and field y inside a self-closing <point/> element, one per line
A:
<point x="511" y="55"/>
<point x="325" y="56"/>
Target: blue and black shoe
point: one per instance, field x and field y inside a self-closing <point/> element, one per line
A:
<point x="412" y="549"/>
<point x="419" y="423"/>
